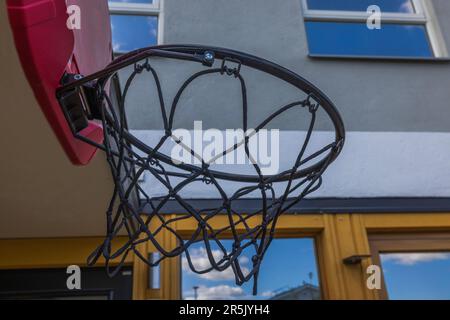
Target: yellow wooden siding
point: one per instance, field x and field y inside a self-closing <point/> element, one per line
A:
<point x="337" y="236"/>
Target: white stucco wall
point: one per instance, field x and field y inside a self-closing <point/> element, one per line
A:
<point x="372" y="164"/>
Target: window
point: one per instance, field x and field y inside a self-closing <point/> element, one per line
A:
<point x="50" y="284"/>
<point x="414" y="266"/>
<point x="288" y="272"/>
<point x="339" y="29"/>
<point x="135" y="24"/>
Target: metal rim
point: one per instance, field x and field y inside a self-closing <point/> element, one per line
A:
<point x="195" y="53"/>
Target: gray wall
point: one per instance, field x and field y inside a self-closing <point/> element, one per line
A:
<point x="397" y="113"/>
<point x="371" y="95"/>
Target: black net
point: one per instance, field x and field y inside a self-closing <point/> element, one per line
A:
<point x="139" y="215"/>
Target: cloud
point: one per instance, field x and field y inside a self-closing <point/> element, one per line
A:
<point x="221" y="292"/>
<point x="406" y="7"/>
<point x="200" y="261"/>
<point x="410" y="259"/>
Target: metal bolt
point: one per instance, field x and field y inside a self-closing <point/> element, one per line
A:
<point x="209" y="56"/>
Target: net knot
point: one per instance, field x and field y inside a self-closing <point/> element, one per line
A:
<point x="263" y="186"/>
<point x="312" y="176"/>
<point x="139" y="68"/>
<point x="313" y="107"/>
<point x="172" y="194"/>
<point x="231" y="71"/>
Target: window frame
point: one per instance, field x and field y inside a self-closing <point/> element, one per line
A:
<point x="155" y="9"/>
<point x="424" y="16"/>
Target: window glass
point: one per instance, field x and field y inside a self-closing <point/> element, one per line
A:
<point x="355" y="39"/>
<point x="288" y="272"/>
<point x="50" y="284"/>
<point x="411" y="276"/>
<point x="402" y="6"/>
<point x="133" y="1"/>
<point x="132" y="32"/>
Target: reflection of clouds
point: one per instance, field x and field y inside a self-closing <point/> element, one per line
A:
<point x="217" y="293"/>
<point x="406" y="7"/>
<point x="131" y="32"/>
<point x="152" y="24"/>
<point x="117" y="46"/>
<point x="201" y="262"/>
<point x="410" y="259"/>
<point x="267" y="294"/>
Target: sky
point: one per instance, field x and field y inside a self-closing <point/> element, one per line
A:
<point x="403" y="6"/>
<point x="355" y="39"/>
<point x="412" y="276"/>
<point x="287" y="264"/>
<point x="131" y="32"/>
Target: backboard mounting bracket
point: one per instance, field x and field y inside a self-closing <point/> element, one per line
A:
<point x="79" y="104"/>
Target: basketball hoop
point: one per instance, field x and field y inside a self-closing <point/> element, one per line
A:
<point x="131" y="210"/>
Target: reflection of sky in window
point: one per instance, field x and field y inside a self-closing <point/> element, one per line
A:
<point x="286" y="265"/>
<point x="411" y="276"/>
<point x="404" y="6"/>
<point x="132" y="32"/>
<point x="355" y="39"/>
<point x="133" y="1"/>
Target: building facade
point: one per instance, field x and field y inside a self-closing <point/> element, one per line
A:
<point x="385" y="200"/>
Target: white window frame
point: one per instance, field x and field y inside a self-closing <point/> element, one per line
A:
<point x="424" y="15"/>
<point x="155" y="9"/>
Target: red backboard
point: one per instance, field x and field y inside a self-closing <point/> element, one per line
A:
<point x="49" y="47"/>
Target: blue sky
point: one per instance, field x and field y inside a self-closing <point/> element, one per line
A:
<point x="417" y="275"/>
<point x="336" y="38"/>
<point x="133" y="32"/>
<point x="404" y="6"/>
<point x="286" y="265"/>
